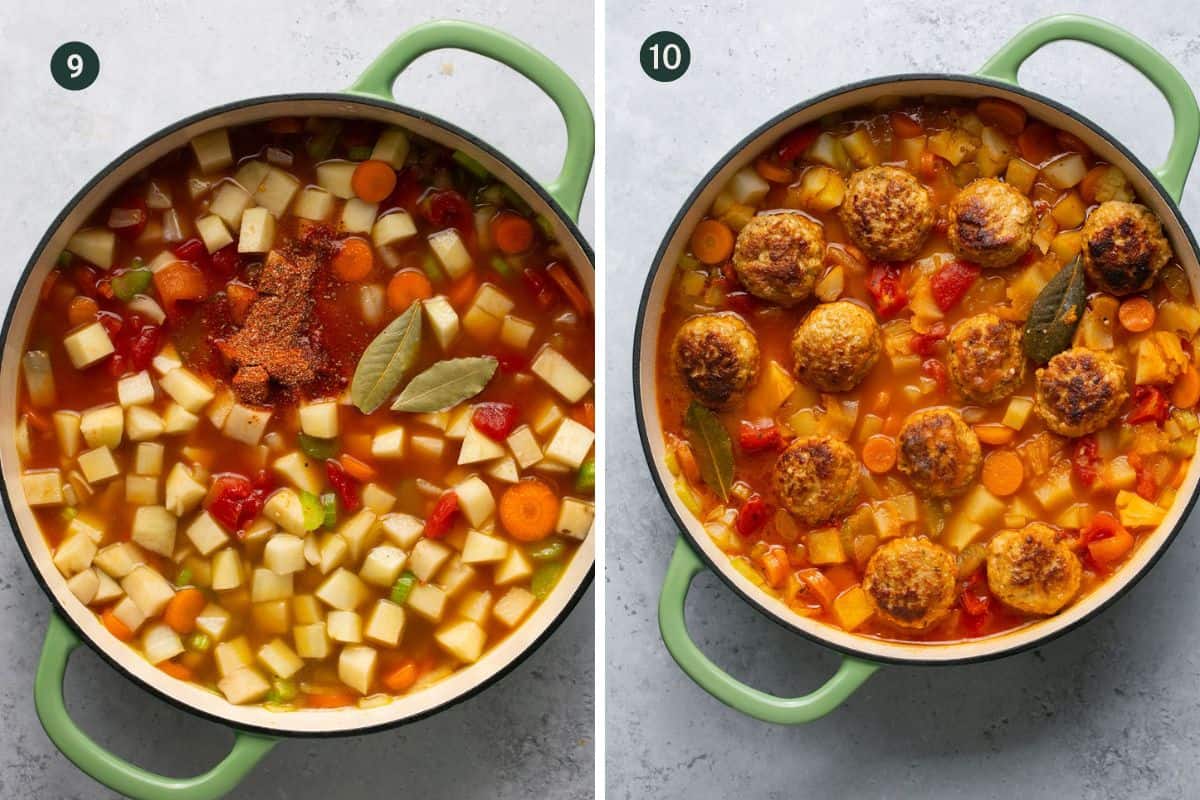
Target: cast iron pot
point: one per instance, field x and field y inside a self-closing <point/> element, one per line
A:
<point x="1160" y="189"/>
<point x="258" y="729"/>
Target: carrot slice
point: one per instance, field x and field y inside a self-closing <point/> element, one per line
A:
<point x="571" y="289"/>
<point x="712" y="241"/>
<point x="1185" y="392"/>
<point x="359" y="470"/>
<point x="402" y="678"/>
<point x="1111" y="548"/>
<point x="512" y="233"/>
<point x="1137" y="314"/>
<point x="353" y="261"/>
<point x="82" y="310"/>
<point x="528" y="510"/>
<point x="1037" y="143"/>
<point x="1003" y="472"/>
<point x="373" y="181"/>
<point x="879" y="454"/>
<point x="407" y="287"/>
<point x="183" y="608"/>
<point x="1008" y="117"/>
<point x="776" y="566"/>
<point x="770" y="171"/>
<point x="176" y="670"/>
<point x="116" y="627"/>
<point x="329" y="700"/>
<point x="996" y="435"/>
<point x="820" y="585"/>
<point x="462" y="290"/>
<point x="904" y="126"/>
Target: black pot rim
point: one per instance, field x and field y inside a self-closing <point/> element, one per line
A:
<point x="657" y="265"/>
<point x="133" y="151"/>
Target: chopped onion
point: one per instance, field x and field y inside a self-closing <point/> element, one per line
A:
<point x="148" y="307"/>
<point x="427" y="488"/>
<point x="172" y="230"/>
<point x="120" y="218"/>
<point x="371" y="300"/>
<point x="277" y="155"/>
<point x="157" y="196"/>
<point x="39" y="378"/>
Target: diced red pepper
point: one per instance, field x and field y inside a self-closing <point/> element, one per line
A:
<point x="1101" y="526"/>
<point x="111" y="322"/>
<point x="932" y="368"/>
<point x="144" y="346"/>
<point x="447" y="208"/>
<point x="345" y="486"/>
<point x="1146" y="486"/>
<point x="1149" y="405"/>
<point x="753" y="514"/>
<point x="1085" y="460"/>
<point x="887" y="290"/>
<point x="976" y="602"/>
<point x="195" y="251"/>
<point x="950" y="283"/>
<point x="754" y="437"/>
<point x="540" y="287"/>
<point x="923" y="344"/>
<point x="495" y="420"/>
<point x="225" y="262"/>
<point x="742" y="302"/>
<point x="438" y="523"/>
<point x="792" y="146"/>
<point x="116" y="365"/>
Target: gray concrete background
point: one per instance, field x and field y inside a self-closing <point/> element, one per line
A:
<point x="1111" y="710"/>
<point x="529" y="736"/>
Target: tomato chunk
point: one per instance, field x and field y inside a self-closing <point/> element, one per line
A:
<point x="495" y="420"/>
<point x="887" y="290"/>
<point x="923" y="344"/>
<point x="438" y="523"/>
<point x="345" y="486"/>
<point x="951" y="283"/>
<point x="1085" y="460"/>
<point x="792" y="146"/>
<point x="755" y="437"/>
<point x="235" y="501"/>
<point x="753" y="514"/>
<point x="1149" y="405"/>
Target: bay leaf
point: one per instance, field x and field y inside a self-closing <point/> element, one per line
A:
<point x="712" y="446"/>
<point x="386" y="361"/>
<point x="445" y="384"/>
<point x="1055" y="314"/>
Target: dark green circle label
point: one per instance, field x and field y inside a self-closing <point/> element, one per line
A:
<point x="665" y="56"/>
<point x="75" y="66"/>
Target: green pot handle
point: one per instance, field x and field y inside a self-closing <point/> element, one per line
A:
<point x="1173" y="173"/>
<point x="114" y="772"/>
<point x="567" y="188"/>
<point x="685" y="566"/>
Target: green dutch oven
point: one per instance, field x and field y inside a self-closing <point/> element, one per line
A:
<point x="1160" y="189"/>
<point x="257" y="729"/>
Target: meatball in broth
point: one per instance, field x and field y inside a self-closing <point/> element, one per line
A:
<point x="716" y="355"/>
<point x="780" y="257"/>
<point x="887" y="213"/>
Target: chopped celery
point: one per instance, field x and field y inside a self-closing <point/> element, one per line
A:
<point x="502" y="266"/>
<point x="492" y="195"/>
<point x="403" y="587"/>
<point x="431" y="269"/>
<point x="545" y="227"/>
<point x="64" y="259"/>
<point x="314" y="512"/>
<point x="184" y="578"/>
<point x="548" y="550"/>
<point x="320" y="449"/>
<point x="515" y="200"/>
<point x="585" y="481"/>
<point x="198" y="642"/>
<point x="329" y="503"/>
<point x="359" y="152"/>
<point x="133" y="282"/>
<point x="471" y="165"/>
<point x="320" y="146"/>
<point x="544" y="578"/>
<point x="283" y="690"/>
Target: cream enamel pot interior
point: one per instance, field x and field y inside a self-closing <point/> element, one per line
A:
<point x="695" y="550"/>
<point x="369" y="99"/>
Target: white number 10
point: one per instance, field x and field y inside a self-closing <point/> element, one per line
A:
<point x="671" y="56"/>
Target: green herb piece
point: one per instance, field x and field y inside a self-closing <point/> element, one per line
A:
<point x="544" y="578"/>
<point x="359" y="152"/>
<point x="501" y="265"/>
<point x="387" y="360"/>
<point x="548" y="550"/>
<point x="283" y="690"/>
<point x="403" y="588"/>
<point x="330" y="505"/>
<point x="585" y="481"/>
<point x="314" y="447"/>
<point x="471" y="165"/>
<point x="184" y="578"/>
<point x="198" y="642"/>
<point x="445" y="384"/>
<point x="713" y="448"/>
<point x="133" y="282"/>
<point x="1055" y="314"/>
<point x="431" y="269"/>
<point x="314" y="512"/>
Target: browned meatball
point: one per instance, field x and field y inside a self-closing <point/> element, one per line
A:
<point x="939" y="452"/>
<point x="887" y="213"/>
<point x="1033" y="570"/>
<point x="716" y="355"/>
<point x="985" y="362"/>
<point x="1123" y="247"/>
<point x="816" y="478"/>
<point x="780" y="257"/>
<point x="910" y="582"/>
<point x="836" y="345"/>
<point x="991" y="223"/>
<point x="1079" y="391"/>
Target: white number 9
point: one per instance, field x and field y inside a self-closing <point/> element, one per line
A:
<point x="75" y="64"/>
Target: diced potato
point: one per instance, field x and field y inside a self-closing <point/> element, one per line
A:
<point x="504" y="469"/>
<point x="244" y="685"/>
<point x="358" y="216"/>
<point x="451" y="252"/>
<point x="403" y="530"/>
<point x="356" y="667"/>
<point x="271" y="617"/>
<point x="257" y="233"/>
<point x="385" y="624"/>
<point x="148" y="589"/>
<point x="427" y="557"/>
<point x="300" y="471"/>
<point x="43" y="487"/>
<point x="141" y="490"/>
<point x="284" y="554"/>
<point x="343" y="590"/>
<point x="378" y="499"/>
<point x="852" y="608"/>
<point x="95" y="245"/>
<point x="475" y="501"/>
<point x="154" y="529"/>
<point x="186" y="388"/>
<point x="230" y="202"/>
<point x="460" y="420"/>
<point x="476" y="606"/>
<point x="246" y="424"/>
<point x="478" y="446"/>
<point x="320" y="419"/>
<point x="575" y="518"/>
<point x="513" y="606"/>
<point x="570" y="444"/>
<point x="1017" y="412"/>
<point x="266" y="585"/>
<point x="1137" y="512"/>
<point x="103" y="426"/>
<point x="455" y="576"/>
<point x="393" y="227"/>
<point x="160" y="643"/>
<point x="392" y="147"/>
<point x="481" y="325"/>
<point x="177" y="419"/>
<point x="74" y="554"/>
<point x="314" y="203"/>
<point x="143" y="425"/>
<point x="279" y="658"/>
<point x="307" y="609"/>
<point x="1056" y="492"/>
<point x="284" y="508"/>
<point x="333" y="552"/>
<point x="67" y="430"/>
<point x="312" y="640"/>
<point x="233" y="655"/>
<point x="212" y="150"/>
<point x="129" y="614"/>
<point x="560" y="374"/>
<point x="443" y="319"/>
<point x="226" y="570"/>
<point x="1160" y="358"/>
<point x="183" y="492"/>
<point x="982" y="506"/>
<point x="1065" y="171"/>
<point x="747" y="187"/>
<point x="148" y="459"/>
<point x="276" y="190"/>
<point x="383" y="565"/>
<point x="1178" y="317"/>
<point x="491" y="299"/>
<point x="118" y="560"/>
<point x="135" y="390"/>
<point x="206" y="533"/>
<point x="483" y="549"/>
<point x="825" y="547"/>
<point x="524" y="447"/>
<point x="463" y="639"/>
<point x="84" y="585"/>
<point x="98" y="465"/>
<point x="388" y="442"/>
<point x="517" y="567"/>
<point x="85" y="525"/>
<point x="427" y="601"/>
<point x="213" y="232"/>
<point x="335" y="177"/>
<point x="108" y="590"/>
<point x="88" y="345"/>
<point x="516" y="332"/>
<point x="344" y="626"/>
<point x="251" y="174"/>
<point x="360" y="532"/>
